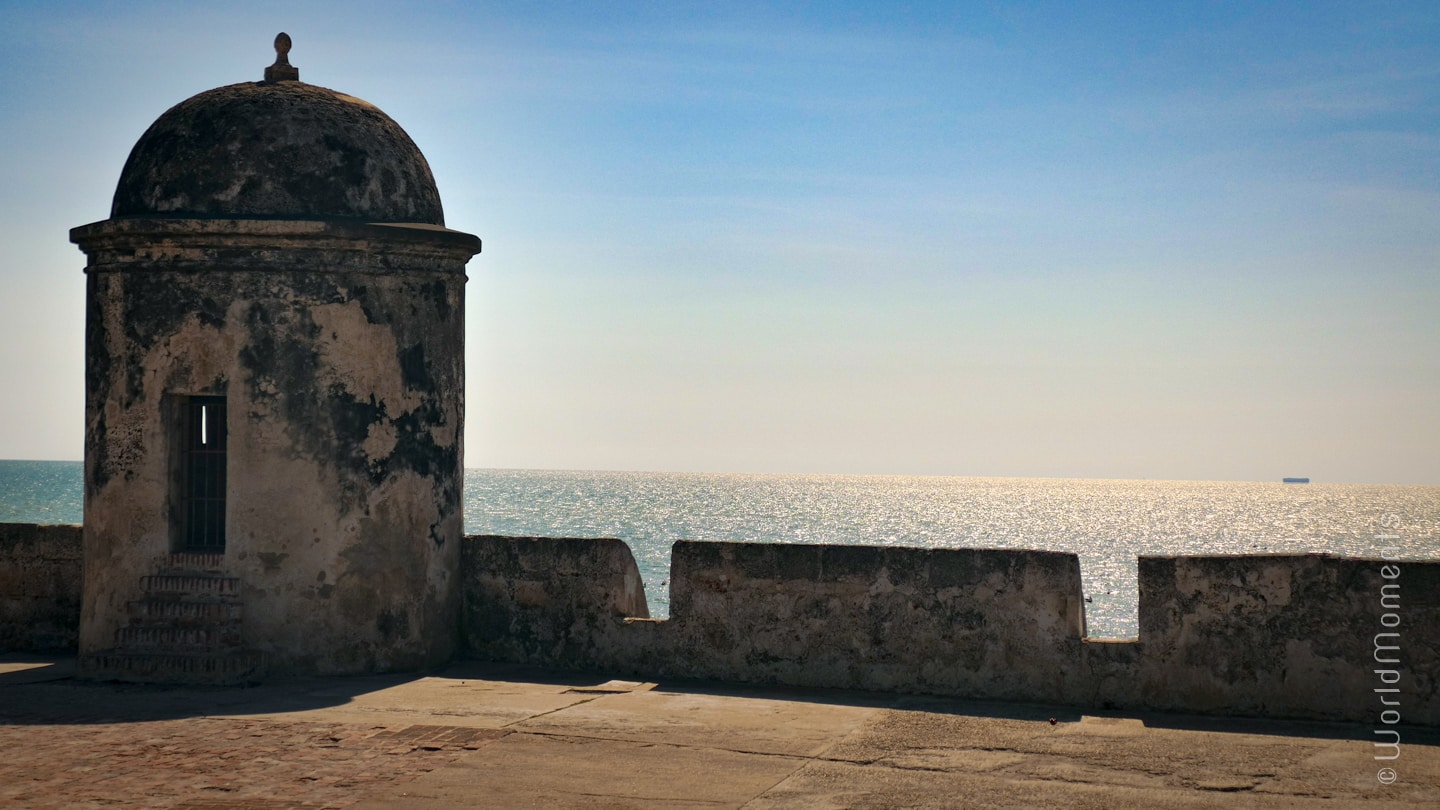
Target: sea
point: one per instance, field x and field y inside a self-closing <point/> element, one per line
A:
<point x="1107" y="523"/>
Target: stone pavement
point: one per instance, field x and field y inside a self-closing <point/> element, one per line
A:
<point x="488" y="735"/>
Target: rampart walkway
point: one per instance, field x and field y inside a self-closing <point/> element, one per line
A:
<point x="478" y="735"/>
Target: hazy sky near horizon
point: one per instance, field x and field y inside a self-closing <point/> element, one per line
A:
<point x="1187" y="241"/>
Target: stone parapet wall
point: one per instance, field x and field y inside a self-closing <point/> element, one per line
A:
<point x="40" y="581"/>
<point x="1263" y="635"/>
<point x="1269" y="636"/>
<point x="1288" y="636"/>
<point x="552" y="601"/>
<point x="1001" y="624"/>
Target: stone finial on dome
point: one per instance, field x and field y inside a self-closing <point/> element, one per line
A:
<point x="282" y="70"/>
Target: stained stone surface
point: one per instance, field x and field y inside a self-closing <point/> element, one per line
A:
<point x="39" y="587"/>
<point x="1284" y="636"/>
<point x="279" y="248"/>
<point x="286" y="150"/>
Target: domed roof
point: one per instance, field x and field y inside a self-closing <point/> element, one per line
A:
<point x="277" y="149"/>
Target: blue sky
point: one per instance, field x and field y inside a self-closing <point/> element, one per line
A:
<point x="1194" y="242"/>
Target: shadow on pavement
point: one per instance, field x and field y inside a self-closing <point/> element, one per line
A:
<point x="37" y="690"/>
<point x="968" y="707"/>
<point x="43" y="690"/>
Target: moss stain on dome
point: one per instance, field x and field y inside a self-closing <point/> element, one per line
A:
<point x="282" y="150"/>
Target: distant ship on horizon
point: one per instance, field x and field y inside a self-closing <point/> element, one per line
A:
<point x="1294" y="480"/>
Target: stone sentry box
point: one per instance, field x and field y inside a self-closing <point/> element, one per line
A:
<point x="274" y="394"/>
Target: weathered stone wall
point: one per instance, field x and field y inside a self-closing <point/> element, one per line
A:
<point x="1001" y="624"/>
<point x="1288" y="636"/>
<point x="556" y="601"/>
<point x="339" y="350"/>
<point x="39" y="587"/>
<point x="1272" y="636"/>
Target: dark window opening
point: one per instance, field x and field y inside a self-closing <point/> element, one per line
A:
<point x="202" y="475"/>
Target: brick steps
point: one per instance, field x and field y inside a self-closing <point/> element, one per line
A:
<point x="148" y="611"/>
<point x="179" y="640"/>
<point x="190" y="563"/>
<point x="191" y="585"/>
<point x="223" y="669"/>
<point x="186" y="629"/>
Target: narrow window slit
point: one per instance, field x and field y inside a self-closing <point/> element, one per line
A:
<point x="201" y="477"/>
